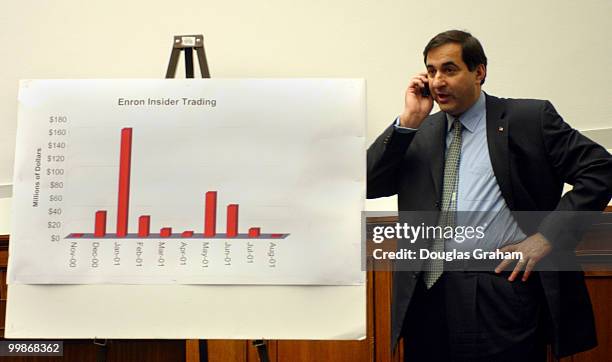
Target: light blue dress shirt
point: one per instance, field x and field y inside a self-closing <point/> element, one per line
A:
<point x="478" y="189"/>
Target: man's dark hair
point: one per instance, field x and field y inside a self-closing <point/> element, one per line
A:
<point x="471" y="50"/>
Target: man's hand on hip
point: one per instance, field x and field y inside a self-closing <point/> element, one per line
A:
<point x="533" y="249"/>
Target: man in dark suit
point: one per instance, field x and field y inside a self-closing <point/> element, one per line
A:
<point x="497" y="155"/>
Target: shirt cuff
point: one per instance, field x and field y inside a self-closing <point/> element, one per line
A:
<point x="400" y="129"/>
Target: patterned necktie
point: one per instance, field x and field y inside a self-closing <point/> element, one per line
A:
<point x="433" y="267"/>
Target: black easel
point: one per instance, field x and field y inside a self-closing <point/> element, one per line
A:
<point x="189" y="43"/>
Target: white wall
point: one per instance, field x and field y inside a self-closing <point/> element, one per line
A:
<point x="5" y="216"/>
<point x="558" y="50"/>
<point x="5" y="209"/>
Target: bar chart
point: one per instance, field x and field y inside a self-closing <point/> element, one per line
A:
<point x="209" y="230"/>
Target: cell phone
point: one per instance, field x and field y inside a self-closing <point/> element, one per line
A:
<point x="425" y="91"/>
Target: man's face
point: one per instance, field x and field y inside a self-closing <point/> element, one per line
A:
<point x="453" y="86"/>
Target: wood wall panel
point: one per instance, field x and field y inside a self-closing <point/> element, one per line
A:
<point x="192" y="350"/>
<point x="383" y="286"/>
<point x="222" y="350"/>
<point x="146" y="350"/>
<point x="337" y="351"/>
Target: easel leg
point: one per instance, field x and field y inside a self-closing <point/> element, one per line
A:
<point x="203" y="350"/>
<point x="188" y="62"/>
<point x="262" y="350"/>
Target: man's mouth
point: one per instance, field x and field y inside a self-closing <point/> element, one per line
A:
<point x="443" y="97"/>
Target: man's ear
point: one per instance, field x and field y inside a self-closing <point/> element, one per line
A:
<point x="481" y="72"/>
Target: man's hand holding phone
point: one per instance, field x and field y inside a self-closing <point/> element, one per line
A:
<point x="417" y="103"/>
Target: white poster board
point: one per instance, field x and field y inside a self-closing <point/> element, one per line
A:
<point x="289" y="152"/>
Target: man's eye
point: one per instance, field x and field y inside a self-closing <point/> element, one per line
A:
<point x="450" y="70"/>
<point x="431" y="73"/>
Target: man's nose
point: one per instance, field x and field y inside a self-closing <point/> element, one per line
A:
<point x="438" y="80"/>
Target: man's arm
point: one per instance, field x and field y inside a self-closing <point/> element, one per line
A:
<point x="580" y="162"/>
<point x="384" y="159"/>
<point x="577" y="161"/>
<point x="386" y="153"/>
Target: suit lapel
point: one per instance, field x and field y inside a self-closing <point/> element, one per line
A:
<point x="437" y="127"/>
<point x="497" y="140"/>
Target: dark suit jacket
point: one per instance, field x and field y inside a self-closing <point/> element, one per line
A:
<point x="533" y="152"/>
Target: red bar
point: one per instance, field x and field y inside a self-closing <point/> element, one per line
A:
<point x="232" y="220"/>
<point x="254" y="232"/>
<point x="210" y="214"/>
<point x="100" y="229"/>
<point x="276" y="236"/>
<point x="187" y="234"/>
<point x="165" y="232"/>
<point x="144" y="224"/>
<point x="123" y="204"/>
<point x="77" y="235"/>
